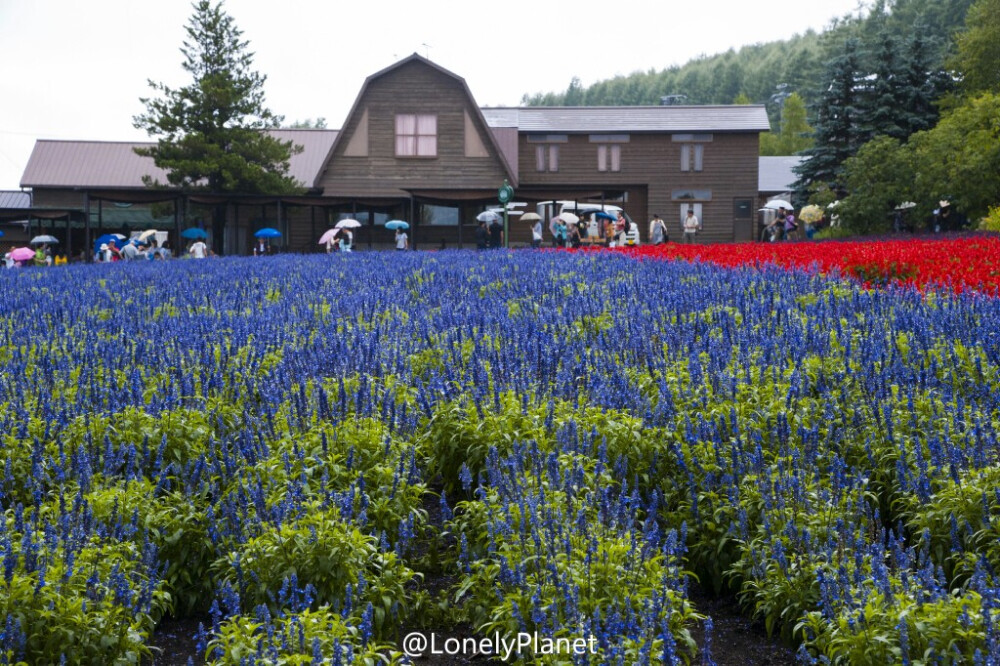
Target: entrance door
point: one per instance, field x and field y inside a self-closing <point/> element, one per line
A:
<point x="743" y="220"/>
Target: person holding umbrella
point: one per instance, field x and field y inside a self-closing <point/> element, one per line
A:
<point x="261" y="247"/>
<point x="198" y="249"/>
<point x="402" y="240"/>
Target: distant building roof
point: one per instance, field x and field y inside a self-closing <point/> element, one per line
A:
<point x="114" y="164"/>
<point x="15" y="199"/>
<point x="775" y="174"/>
<point x="570" y="119"/>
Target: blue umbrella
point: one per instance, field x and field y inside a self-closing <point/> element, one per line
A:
<point x="397" y="224"/>
<point x="107" y="238"/>
<point x="601" y="215"/>
<point x="268" y="232"/>
<point x="193" y="233"/>
<point x="1" y="234"/>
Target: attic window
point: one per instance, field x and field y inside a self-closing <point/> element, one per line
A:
<point x="416" y="135"/>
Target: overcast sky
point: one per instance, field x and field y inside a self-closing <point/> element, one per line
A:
<point x="71" y="69"/>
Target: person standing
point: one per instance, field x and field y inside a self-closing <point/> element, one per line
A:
<point x="347" y="242"/>
<point x="692" y="225"/>
<point x="791" y="226"/>
<point x="536" y="234"/>
<point x="574" y="236"/>
<point x="658" y="234"/>
<point x="260" y="248"/>
<point x="621" y="229"/>
<point x="198" y="250"/>
<point x="496" y="235"/>
<point x="402" y="240"/>
<point x="482" y="237"/>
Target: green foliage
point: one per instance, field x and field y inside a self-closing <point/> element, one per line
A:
<point x="960" y="157"/>
<point x="322" y="550"/>
<point x="78" y="612"/>
<point x="211" y="133"/>
<point x="795" y="134"/>
<point x="292" y="640"/>
<point x="978" y="49"/>
<point x="879" y="178"/>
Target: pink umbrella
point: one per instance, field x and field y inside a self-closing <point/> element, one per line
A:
<point x="327" y="235"/>
<point x="22" y="254"/>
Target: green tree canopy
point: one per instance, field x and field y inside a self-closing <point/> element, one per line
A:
<point x="794" y="135"/>
<point x="977" y="58"/>
<point x="211" y="134"/>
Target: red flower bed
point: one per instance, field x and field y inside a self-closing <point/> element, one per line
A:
<point x="960" y="263"/>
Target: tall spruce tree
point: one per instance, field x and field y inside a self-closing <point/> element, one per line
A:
<point x="211" y="134"/>
<point x="839" y="123"/>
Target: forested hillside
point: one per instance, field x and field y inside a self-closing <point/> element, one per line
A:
<point x="763" y="73"/>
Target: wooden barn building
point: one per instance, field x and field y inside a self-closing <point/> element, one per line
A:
<point x="416" y="146"/>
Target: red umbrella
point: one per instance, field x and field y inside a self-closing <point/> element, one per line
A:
<point x="22" y="254"/>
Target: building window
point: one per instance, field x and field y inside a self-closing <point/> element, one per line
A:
<point x="547" y="152"/>
<point x="696" y="207"/>
<point x="416" y="135"/>
<point x="609" y="158"/>
<point x="547" y="157"/>
<point x="692" y="156"/>
<point x="691" y="195"/>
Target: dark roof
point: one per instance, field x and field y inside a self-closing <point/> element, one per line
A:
<point x="15" y="199"/>
<point x="113" y="164"/>
<point x="571" y="119"/>
<point x="774" y="174"/>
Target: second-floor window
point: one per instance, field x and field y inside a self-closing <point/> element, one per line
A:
<point x="547" y="150"/>
<point x="692" y="150"/>
<point x="416" y="135"/>
<point x="547" y="157"/>
<point x="692" y="156"/>
<point x="609" y="150"/>
<point x="609" y="158"/>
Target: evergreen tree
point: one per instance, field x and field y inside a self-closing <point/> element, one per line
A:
<point x="922" y="80"/>
<point x="838" y="123"/>
<point x="211" y="133"/>
<point x="883" y="102"/>
<point x="978" y="52"/>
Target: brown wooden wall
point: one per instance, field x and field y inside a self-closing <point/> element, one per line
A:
<point x="418" y="89"/>
<point x="651" y="171"/>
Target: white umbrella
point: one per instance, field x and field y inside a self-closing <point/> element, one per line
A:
<point x="778" y="203"/>
<point x="487" y="216"/>
<point x="327" y="236"/>
<point x="147" y="233"/>
<point x="348" y="224"/>
<point x="906" y="205"/>
<point x="44" y="239"/>
<point x="568" y="218"/>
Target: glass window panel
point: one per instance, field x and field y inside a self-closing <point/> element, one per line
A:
<point x="540" y="158"/>
<point x="686" y="157"/>
<point x="616" y="158"/>
<point x="427" y="125"/>
<point x="602" y="158"/>
<point x="699" y="152"/>
<point x="406" y="145"/>
<point x="427" y="146"/>
<point x="553" y="158"/>
<point x="406" y="124"/>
